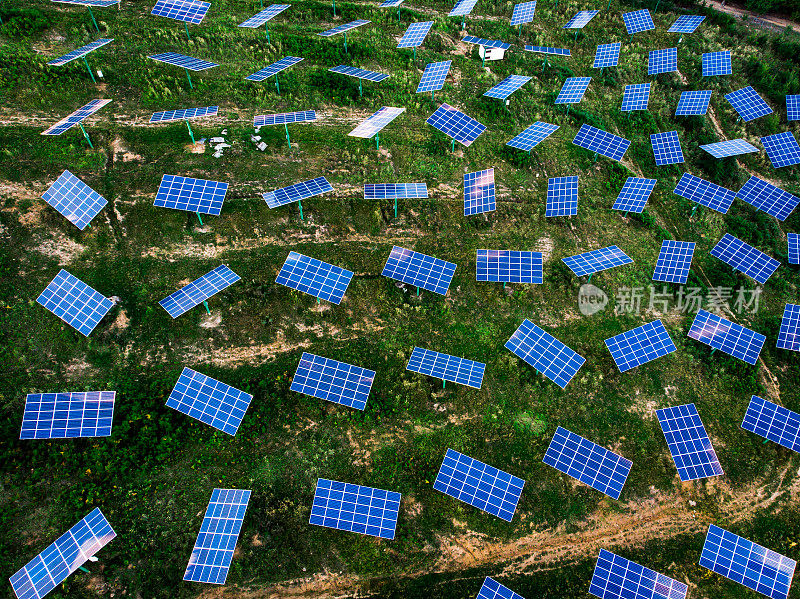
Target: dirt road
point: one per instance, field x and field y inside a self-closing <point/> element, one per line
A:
<point x="740" y="13"/>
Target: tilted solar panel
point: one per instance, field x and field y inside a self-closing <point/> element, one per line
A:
<point x="741" y="256"/>
<point x="618" y="578"/>
<point x="638" y="20"/>
<point x="782" y="149"/>
<point x="300" y="116"/>
<point x="359" y="73"/>
<point x="80" y="52"/>
<point x="183" y="61"/>
<point x="199" y="290"/>
<point x="183" y="113"/>
<point x="602" y="142"/>
<point x="491" y="589"/>
<point x="729" y="147"/>
<point x="75" y="200"/>
<point x="789" y="333"/>
<point x="640" y="345"/>
<point x="747" y="563"/>
<point x="479" y="485"/>
<point x="433" y="76"/>
<point x="76" y="117"/>
<point x="686" y="24"/>
<point x="391" y="191"/>
<point x="420" y="270"/>
<point x="446" y="367"/>
<point x="581" y="19"/>
<point x="509" y="266"/>
<point x="342" y="28"/>
<point x="273" y="69"/>
<point x="793" y="247"/>
<point x="415" y="34"/>
<point x="693" y="102"/>
<point x="95" y="3"/>
<point x="545" y="353"/>
<point x="793" y="107"/>
<point x="588" y="462"/>
<point x="717" y="63"/>
<point x="354" y="508"/>
<point x="390" y="3"/>
<point x="635" y="97"/>
<point x="314" y="277"/>
<point x="479" y="192"/>
<point x="298" y="191"/>
<point x="210" y="401"/>
<point x="667" y="148"/>
<point x="773" y="422"/>
<point x="213" y="550"/>
<point x="188" y="11"/>
<point x="523" y="13"/>
<point x="462" y="8"/>
<point x="532" y="136"/>
<point x="192" y="195"/>
<point x="765" y="196"/>
<point x="471" y="39"/>
<point x="548" y="50"/>
<point x="726" y="336"/>
<point x="597" y="260"/>
<point x="74" y="302"/>
<point x="562" y="196"/>
<point x="573" y="89"/>
<point x="688" y="442"/>
<point x="507" y="86"/>
<point x="454" y="123"/>
<point x="634" y="195"/>
<point x="373" y="125"/>
<point x="265" y="15"/>
<point x="662" y="61"/>
<point x="68" y="415"/>
<point x="674" y="261"/>
<point x="607" y="55"/>
<point x="748" y="104"/>
<point x="332" y="380"/>
<point x="65" y="555"/>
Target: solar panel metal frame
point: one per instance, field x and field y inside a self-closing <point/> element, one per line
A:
<point x="686" y="24"/>
<point x="391" y="191"/>
<point x="297" y="192"/>
<point x="209" y="401"/>
<point x="793" y="107"/>
<point x="793" y="247"/>
<point x="433" y="76"/>
<point x="187" y="11"/>
<point x="79" y="52"/>
<point x="275" y="68"/>
<point x="662" y="61"/>
<point x="782" y="149"/>
<point x="748" y="104"/>
<point x="420" y="270"/>
<point x="216" y="542"/>
<point x="638" y="20"/>
<point x="573" y="90"/>
<point x="688" y="442"/>
<point x="635" y="97"/>
<point x="333" y="381"/>
<point x="773" y="422"/>
<point x="667" y="148"/>
<point x="634" y="194"/>
<point x="532" y="136"/>
<point x="446" y="367"/>
<point x="523" y="13"/>
<point x="264" y="16"/>
<point x="359" y="73"/>
<point x="314" y="277"/>
<point x="478" y="484"/>
<point x="192" y="195"/>
<point x="415" y="34"/>
<point x="693" y="102"/>
<point x="183" y="61"/>
<point x="588" y="462"/>
<point x="545" y="353"/>
<point x="726" y="336"/>
<point x="199" y="290"/>
<point x="374" y="124"/>
<point x="509" y="266"/>
<point x="507" y="86"/>
<point x="182" y="114"/>
<point x="355" y="508"/>
<point x="345" y="27"/>
<point x="74" y="302"/>
<point x="581" y="19"/>
<point x="462" y="8"/>
<point x="615" y="577"/>
<point x="598" y="260"/>
<point x="76" y="117"/>
<point x="744" y="257"/>
<point x="674" y="261"/>
<point x="491" y="589"/>
<point x="68" y="415"/>
<point x="717" y="63"/>
<point x="456" y="124"/>
<point x="479" y="192"/>
<point x="74" y="200"/>
<point x="562" y="196"/>
<point x="602" y="142"/>
<point x="767" y="197"/>
<point x="729" y="147"/>
<point x="640" y="345"/>
<point x="472" y="39"/>
<point x="704" y="193"/>
<point x="606" y="55"/>
<point x="283" y="118"/>
<point x="548" y="50"/>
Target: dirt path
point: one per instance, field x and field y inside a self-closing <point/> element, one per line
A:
<point x="740" y="13"/>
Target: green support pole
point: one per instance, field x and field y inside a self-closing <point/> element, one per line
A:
<point x="483" y="63"/>
<point x="765" y="442"/>
<point x="191" y="133"/>
<point x="395" y="207"/>
<point x="656" y="8"/>
<point x="300" y="203"/>
<point x="334" y="8"/>
<point x="453" y="148"/>
<point x="266" y="28"/>
<point x="277" y="85"/>
<point x="200" y="218"/>
<point x="595" y="157"/>
<point x="86" y="135"/>
<point x="694" y="209"/>
<point x="186" y="26"/>
<point x="288" y="141"/>
<point x="590" y="278"/>
<point x="360" y="89"/>
<point x="680" y="39"/>
<point x="601" y="71"/>
<point x="432" y="97"/>
<point x="609" y="5"/>
<point x="576" y="34"/>
<point x="444" y="383"/>
<point x="567" y="109"/>
<point x="462" y="23"/>
<point x="345" y="41"/>
<point x="519" y="32"/>
<point x="417" y="291"/>
<point x="712" y="351"/>
<point x="377" y="141"/>
<point x="415" y="52"/>
<point x="205" y="303"/>
<point x="88" y="69"/>
<point x="189" y="78"/>
<point x="504" y="285"/>
<point x="82" y="569"/>
<point x="318" y="301"/>
<point x="262" y="4"/>
<point x="398" y="14"/>
<point x="91" y="14"/>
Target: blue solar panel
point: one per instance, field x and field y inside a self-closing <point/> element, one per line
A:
<point x="74" y="302"/>
<point x="265" y="15"/>
<point x="667" y="148"/>
<point x="793" y="107"/>
<point x="573" y="89"/>
<point x="782" y="149"/>
<point x="580" y="20"/>
<point x="342" y="28"/>
<point x="705" y="193"/>
<point x="773" y="422"/>
<point x="370" y="127"/>
<point x="433" y="76"/>
<point x="462" y="8"/>
<point x="606" y="55"/>
<point x="686" y="24"/>
<point x="274" y="68"/>
<point x="509" y="266"/>
<point x="314" y="277"/>
<point x="188" y="11"/>
<point x="765" y="196"/>
<point x="298" y="191"/>
<point x="446" y="367"/>
<point x="597" y="260"/>
<point x="634" y="195"/>
<point x="635" y="97"/>
<point x="68" y="415"/>
<point x="793" y="247"/>
<point x="717" y="63"/>
<point x="79" y="53"/>
<point x="76" y="117"/>
<point x="693" y="102"/>
<point x="662" y="61"/>
<point x="61" y="558"/>
<point x="532" y="136"/>
<point x="588" y="462"/>
<point x="748" y="104"/>
<point x="562" y="196"/>
<point x="523" y="13"/>
<point x="726" y="336"/>
<point x="747" y="563"/>
<point x="333" y="381"/>
<point x="183" y="61"/>
<point x="199" y="290"/>
<point x="508" y="86"/>
<point x="548" y="50"/>
<point x="479" y="192"/>
<point x="192" y="195"/>
<point x="415" y="34"/>
<point x="640" y="345"/>
<point x="454" y="123"/>
<point x="741" y="256"/>
<point x="301" y="116"/>
<point x="618" y="578"/>
<point x="729" y="147"/>
<point x="638" y="20"/>
<point x="674" y="261"/>
<point x="491" y="589"/>
<point x="183" y="114"/>
<point x="602" y="142"/>
<point x="390" y="191"/>
<point x="545" y="353"/>
<point x="390" y="3"/>
<point x="479" y="485"/>
<point x="471" y="39"/>
<point x="75" y="200"/>
<point x="359" y="73"/>
<point x="789" y="334"/>
<point x="354" y="508"/>
<point x="213" y="551"/>
<point x="688" y="442"/>
<point x="420" y="270"/>
<point x="210" y="401"/>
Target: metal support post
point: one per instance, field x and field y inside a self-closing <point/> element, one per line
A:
<point x="656" y="8"/>
<point x="88" y="69"/>
<point x="345" y="41"/>
<point x="595" y="157"/>
<point x="186" y="26"/>
<point x="205" y="303"/>
<point x="334" y="8"/>
<point x="395" y="207"/>
<point x="444" y="383"/>
<point x="277" y="85"/>
<point x="288" y="141"/>
<point x="200" y="218"/>
<point x="191" y="133"/>
<point x="377" y="141"/>
<point x="86" y="135"/>
<point x="453" y="148"/>
<point x="712" y="351"/>
<point x="360" y="89"/>
<point x="266" y="28"/>
<point x="590" y="278"/>
<point x="91" y="14"/>
<point x="417" y="291"/>
<point x="432" y="97"/>
<point x="300" y="204"/>
<point x="415" y="53"/>
<point x="609" y="5"/>
<point x="189" y="78"/>
<point x="694" y="209"/>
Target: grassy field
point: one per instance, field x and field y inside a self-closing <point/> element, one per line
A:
<point x="153" y="477"/>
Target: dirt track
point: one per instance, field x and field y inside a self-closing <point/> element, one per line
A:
<point x="740" y="13"/>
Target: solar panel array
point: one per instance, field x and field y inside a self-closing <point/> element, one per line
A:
<point x="748" y="104"/>
<point x="618" y="578"/>
<point x="332" y="380"/>
<point x="581" y="19"/>
<point x="523" y="13"/>
<point x="508" y="86"/>
<point x="793" y="248"/>
<point x="354" y="508"/>
<point x="462" y="8"/>
<point x="297" y="192"/>
<point x="597" y="260"/>
<point x="705" y="193"/>
<point x="782" y="149"/>
<point x="638" y="20"/>
<point x="192" y="195"/>
<point x="635" y="97"/>
<point x="729" y="147"/>
<point x="314" y="277"/>
<point x="562" y="196"/>
<point x="415" y="34"/>
<point x="793" y="107"/>
<point x="183" y="61"/>
<point x="667" y="148"/>
<point x="573" y="89"/>
<point x="199" y="290"/>
<point x="213" y="550"/>
<point x="183" y="114"/>
<point x="789" y="333"/>
<point x="390" y="191"/>
<point x="674" y="261"/>
<point x="75" y="200"/>
<point x="210" y="401"/>
<point x="509" y="266"/>
<point x="390" y="3"/>
<point x="741" y="256"/>
<point x="545" y="353"/>
<point x="747" y="563"/>
<point x="688" y="442"/>
<point x="693" y="102"/>
<point x="662" y="61"/>
<point x="773" y="422"/>
<point x="454" y="123"/>
<point x="587" y="462"/>
<point x="686" y="24"/>
<point x="188" y="11"/>
<point x="767" y="197"/>
<point x="479" y="485"/>
<point x="359" y="73"/>
<point x="79" y="53"/>
<point x="76" y="117"/>
<point x="548" y="50"/>
<point x="726" y="336"/>
<point x="604" y="143"/>
<point x="274" y="68"/>
<point x="446" y="367"/>
<point x="532" y="136"/>
<point x="479" y="192"/>
<point x="471" y="39"/>
<point x="373" y="125"/>
<point x="491" y="589"/>
<point x="634" y="194"/>
<point x="68" y="415"/>
<point x="640" y="345"/>
<point x="717" y="63"/>
<point x="607" y="55"/>
<point x="420" y="270"/>
<point x="74" y="302"/>
<point x="61" y="558"/>
<point x="265" y="15"/>
<point x="282" y="118"/>
<point x="342" y="28"/>
<point x="433" y="76"/>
